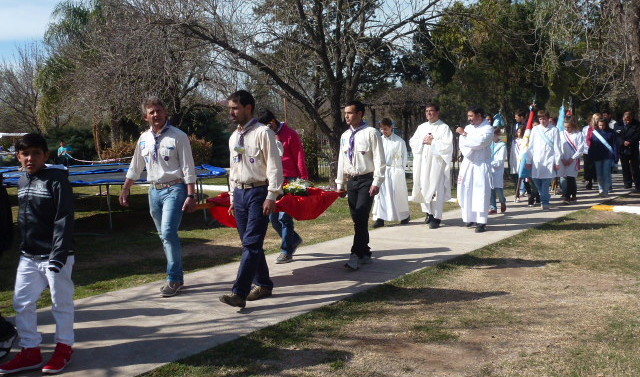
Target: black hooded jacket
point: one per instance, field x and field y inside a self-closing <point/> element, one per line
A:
<point x="46" y="215"/>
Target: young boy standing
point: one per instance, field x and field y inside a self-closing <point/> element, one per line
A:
<point x="45" y="219"/>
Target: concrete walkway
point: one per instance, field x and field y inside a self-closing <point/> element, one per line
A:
<point x="132" y="331"/>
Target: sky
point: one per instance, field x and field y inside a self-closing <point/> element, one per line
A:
<point x="22" y="22"/>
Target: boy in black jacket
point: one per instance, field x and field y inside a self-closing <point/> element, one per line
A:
<point x="45" y="219"/>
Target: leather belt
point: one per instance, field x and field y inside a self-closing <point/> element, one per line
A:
<point x="35" y="257"/>
<point x="160" y="186"/>
<point x="244" y="186"/>
<point x="362" y="176"/>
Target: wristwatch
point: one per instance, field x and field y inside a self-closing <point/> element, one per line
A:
<point x="191" y="196"/>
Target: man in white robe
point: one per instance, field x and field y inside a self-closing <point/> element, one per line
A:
<point x="474" y="178"/>
<point x="432" y="148"/>
<point x="543" y="156"/>
<point x="392" y="203"/>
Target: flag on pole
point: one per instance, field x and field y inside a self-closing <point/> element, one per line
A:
<point x="523" y="172"/>
<point x="561" y="116"/>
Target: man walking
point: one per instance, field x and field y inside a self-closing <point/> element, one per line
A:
<point x="627" y="138"/>
<point x="165" y="152"/>
<point x="474" y="178"/>
<point x="432" y="147"/>
<point x="361" y="166"/>
<point x="255" y="178"/>
<point x="294" y="166"/>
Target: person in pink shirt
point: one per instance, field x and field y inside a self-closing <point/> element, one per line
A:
<point x="293" y="166"/>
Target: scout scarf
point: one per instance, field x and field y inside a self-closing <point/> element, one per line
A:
<point x="352" y="139"/>
<point x="240" y="147"/>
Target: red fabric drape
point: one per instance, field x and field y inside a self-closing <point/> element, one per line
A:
<point x="299" y="207"/>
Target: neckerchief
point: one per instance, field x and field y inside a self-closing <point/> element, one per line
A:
<point x="352" y="139"/>
<point x="156" y="138"/>
<point x="240" y="147"/>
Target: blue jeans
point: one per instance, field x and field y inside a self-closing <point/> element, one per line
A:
<point x="603" y="172"/>
<point x="252" y="228"/>
<point x="543" y="189"/>
<point x="165" y="206"/>
<point x="497" y="193"/>
<point x="283" y="224"/>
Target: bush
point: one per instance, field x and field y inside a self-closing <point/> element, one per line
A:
<point x="119" y="149"/>
<point x="202" y="150"/>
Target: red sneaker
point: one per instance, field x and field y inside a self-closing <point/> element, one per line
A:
<point x="59" y="360"/>
<point x="27" y="359"/>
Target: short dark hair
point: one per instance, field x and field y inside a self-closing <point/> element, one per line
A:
<point x="386" y="122"/>
<point x="437" y="107"/>
<point x="521" y="113"/>
<point x="151" y="101"/>
<point x="32" y="140"/>
<point x="543" y="113"/>
<point x="359" y="105"/>
<point x="265" y="116"/>
<point x="243" y="97"/>
<point x="476" y="110"/>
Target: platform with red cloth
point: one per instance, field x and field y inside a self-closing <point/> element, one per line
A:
<point x="307" y="207"/>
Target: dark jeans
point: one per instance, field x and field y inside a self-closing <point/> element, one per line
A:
<point x="532" y="192"/>
<point x="6" y="329"/>
<point x="360" y="203"/>
<point x="569" y="187"/>
<point x="252" y="228"/>
<point x="630" y="170"/>
<point x="589" y="169"/>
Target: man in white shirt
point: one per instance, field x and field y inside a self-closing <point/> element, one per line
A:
<point x="432" y="148"/>
<point x="255" y="178"/>
<point x="165" y="152"/>
<point x="392" y="203"/>
<point x="361" y="166"/>
<point x="474" y="178"/>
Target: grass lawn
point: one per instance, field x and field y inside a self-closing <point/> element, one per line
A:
<point x="557" y="300"/>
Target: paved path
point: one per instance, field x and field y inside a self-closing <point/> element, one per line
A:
<point x="131" y="331"/>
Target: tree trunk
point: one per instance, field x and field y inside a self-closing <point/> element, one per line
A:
<point x="97" y="137"/>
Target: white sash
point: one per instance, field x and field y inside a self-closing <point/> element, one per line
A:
<point x="603" y="141"/>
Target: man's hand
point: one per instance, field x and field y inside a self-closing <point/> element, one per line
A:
<point x="556" y="167"/>
<point x="124" y="197"/>
<point x="626" y="143"/>
<point x="231" y="211"/>
<point x="268" y="207"/>
<point x="374" y="190"/>
<point x="460" y="130"/>
<point x="427" y="139"/>
<point x="189" y="205"/>
<point x="528" y="166"/>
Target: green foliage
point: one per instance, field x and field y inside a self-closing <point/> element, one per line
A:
<point x="311" y="153"/>
<point x="79" y="139"/>
<point x="204" y="123"/>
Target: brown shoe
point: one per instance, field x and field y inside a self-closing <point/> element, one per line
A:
<point x="233" y="300"/>
<point x="259" y="292"/>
